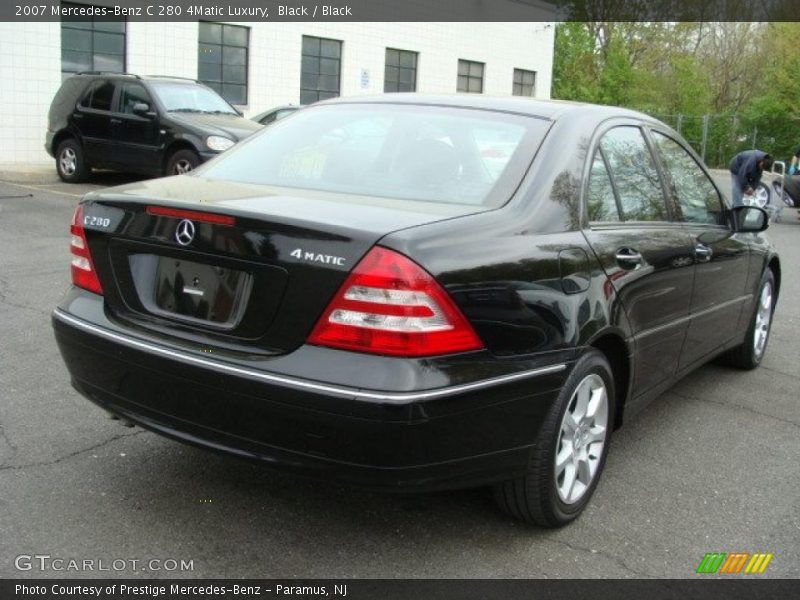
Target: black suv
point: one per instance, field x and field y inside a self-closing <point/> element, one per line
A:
<point x="150" y="125"/>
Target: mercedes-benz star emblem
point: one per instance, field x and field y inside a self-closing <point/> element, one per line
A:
<point x="184" y="234"/>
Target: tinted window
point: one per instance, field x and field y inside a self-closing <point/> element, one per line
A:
<point x="86" y="98"/>
<point x="102" y="96"/>
<point x="524" y="83"/>
<point x="91" y="43"/>
<point x="401" y="71"/>
<point x="634" y="173"/>
<point x="132" y="94"/>
<point x="695" y="195"/>
<point x="470" y="77"/>
<point x="222" y="59"/>
<point x="601" y="204"/>
<point x="320" y="69"/>
<point x="416" y="153"/>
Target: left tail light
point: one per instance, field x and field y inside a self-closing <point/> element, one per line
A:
<point x="84" y="274"/>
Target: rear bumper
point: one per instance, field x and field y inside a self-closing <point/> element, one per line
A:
<point x="459" y="435"/>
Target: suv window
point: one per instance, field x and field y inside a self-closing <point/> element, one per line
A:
<point x="102" y="94"/>
<point x="633" y="170"/>
<point x="86" y="98"/>
<point x="697" y="199"/>
<point x="132" y="94"/>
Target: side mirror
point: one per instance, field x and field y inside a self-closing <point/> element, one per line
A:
<point x="750" y="219"/>
<point x="142" y="109"/>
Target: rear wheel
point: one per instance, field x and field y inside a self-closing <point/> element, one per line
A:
<point x="748" y="355"/>
<point x="570" y="450"/>
<point x="70" y="163"/>
<point x="181" y="162"/>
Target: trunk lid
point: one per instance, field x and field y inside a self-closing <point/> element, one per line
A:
<point x="255" y="267"/>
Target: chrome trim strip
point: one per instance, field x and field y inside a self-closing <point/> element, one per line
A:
<point x="301" y="383"/>
<point x="689" y="317"/>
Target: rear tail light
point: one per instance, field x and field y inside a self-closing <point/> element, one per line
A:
<point x="390" y="305"/>
<point x="83" y="271"/>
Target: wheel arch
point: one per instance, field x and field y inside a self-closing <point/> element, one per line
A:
<point x="774" y="264"/>
<point x="61" y="136"/>
<point x="173" y="147"/>
<point x="616" y="351"/>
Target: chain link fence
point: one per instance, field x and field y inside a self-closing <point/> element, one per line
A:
<point x="717" y="138"/>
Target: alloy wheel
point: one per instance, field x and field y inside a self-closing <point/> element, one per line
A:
<point x="582" y="439"/>
<point x="183" y="166"/>
<point x="763" y="319"/>
<point x="761" y="196"/>
<point x="68" y="161"/>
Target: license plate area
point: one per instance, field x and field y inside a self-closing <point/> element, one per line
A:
<point x="191" y="291"/>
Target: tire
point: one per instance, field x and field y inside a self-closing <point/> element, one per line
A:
<point x="785" y="197"/>
<point x="181" y="162"/>
<point x="542" y="496"/>
<point x="70" y="163"/>
<point x="748" y="354"/>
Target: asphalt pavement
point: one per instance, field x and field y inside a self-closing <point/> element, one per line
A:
<point x="711" y="466"/>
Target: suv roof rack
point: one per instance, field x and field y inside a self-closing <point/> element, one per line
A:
<point x="107" y="73"/>
<point x="170" y="77"/>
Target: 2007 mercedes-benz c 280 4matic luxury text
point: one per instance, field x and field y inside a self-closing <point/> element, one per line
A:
<point x="415" y="293"/>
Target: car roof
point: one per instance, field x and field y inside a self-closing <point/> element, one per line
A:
<point x="543" y="109"/>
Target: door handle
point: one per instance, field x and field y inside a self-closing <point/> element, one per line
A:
<point x="703" y="252"/>
<point x="116" y="121"/>
<point x="628" y="258"/>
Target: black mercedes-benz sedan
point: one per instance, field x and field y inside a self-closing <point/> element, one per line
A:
<point x="417" y="292"/>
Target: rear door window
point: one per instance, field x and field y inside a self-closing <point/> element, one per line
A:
<point x="86" y="98"/>
<point x="634" y="173"/>
<point x="102" y="95"/>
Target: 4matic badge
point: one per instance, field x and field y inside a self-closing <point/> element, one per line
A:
<point x="325" y="259"/>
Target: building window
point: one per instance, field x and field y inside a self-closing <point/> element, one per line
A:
<point x="222" y="60"/>
<point x="470" y="76"/>
<point x="524" y="82"/>
<point x="321" y="69"/>
<point x="401" y="71"/>
<point x="91" y="44"/>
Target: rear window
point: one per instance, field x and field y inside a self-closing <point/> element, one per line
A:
<point x="418" y="153"/>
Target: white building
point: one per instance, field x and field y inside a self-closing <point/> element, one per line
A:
<point x="259" y="65"/>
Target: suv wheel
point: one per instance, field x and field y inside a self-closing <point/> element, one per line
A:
<point x="70" y="164"/>
<point x="570" y="450"/>
<point x="181" y="162"/>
